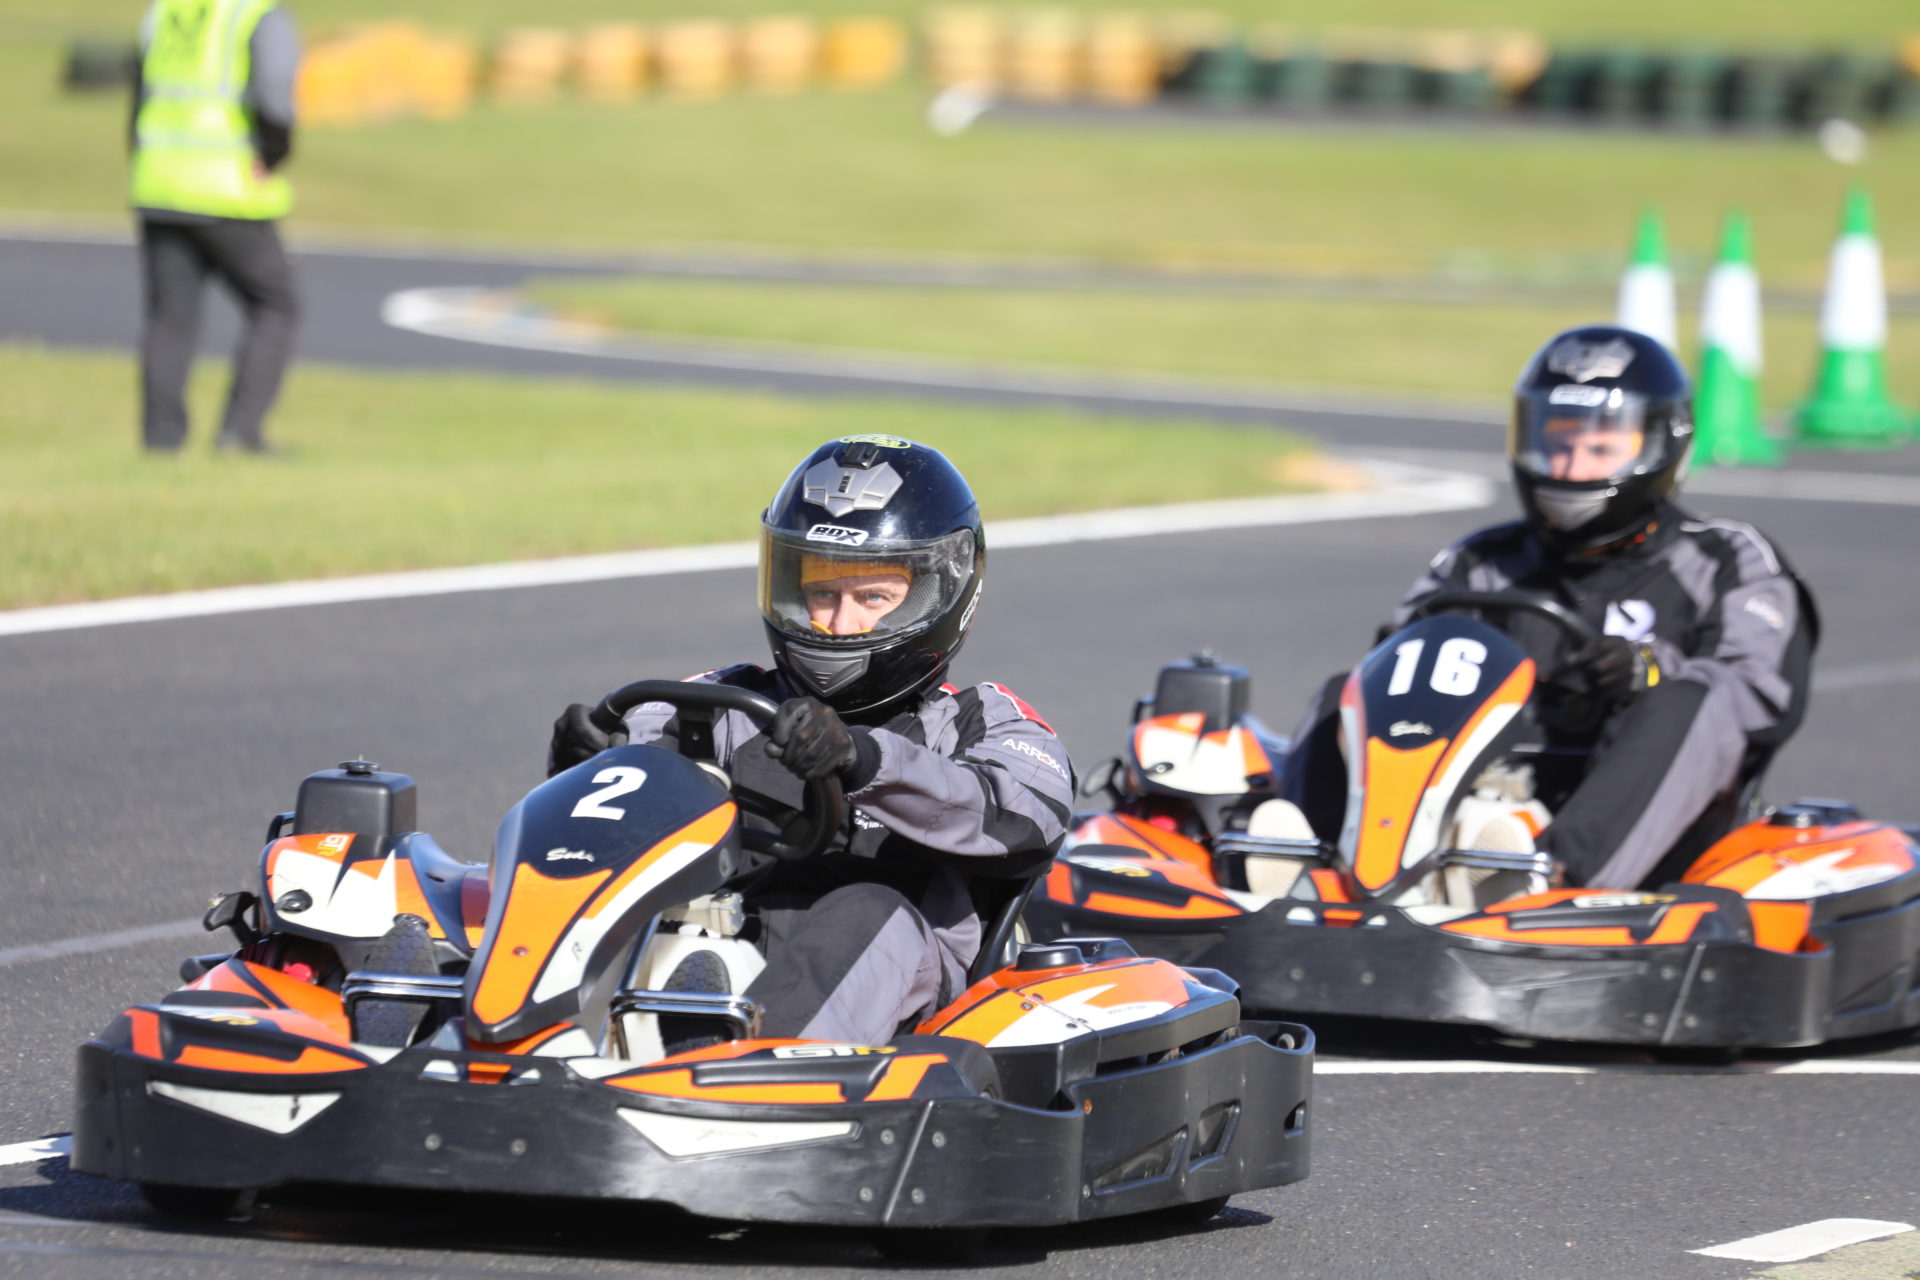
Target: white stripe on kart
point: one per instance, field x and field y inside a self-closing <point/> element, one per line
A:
<point x="1399" y="491"/>
<point x="59" y="1146"/>
<point x="1798" y="1243"/>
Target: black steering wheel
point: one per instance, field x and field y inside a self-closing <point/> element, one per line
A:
<point x="1538" y="603"/>
<point x="805" y="831"/>
<point x="1581" y="632"/>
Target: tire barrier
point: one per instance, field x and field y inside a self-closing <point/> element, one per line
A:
<point x="1056" y="56"/>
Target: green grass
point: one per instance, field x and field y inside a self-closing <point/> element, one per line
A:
<point x="396" y="471"/>
<point x="845" y="173"/>
<point x="841" y="173"/>
<point x="1450" y="349"/>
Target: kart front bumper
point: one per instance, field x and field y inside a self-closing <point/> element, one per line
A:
<point x="1213" y="1123"/>
<point x="1855" y="977"/>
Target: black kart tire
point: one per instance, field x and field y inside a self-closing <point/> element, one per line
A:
<point x="202" y="1204"/>
<point x="1193" y="1214"/>
<point x="931" y="1246"/>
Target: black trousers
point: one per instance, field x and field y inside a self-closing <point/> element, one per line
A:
<point x="850" y="966"/>
<point x="176" y="259"/>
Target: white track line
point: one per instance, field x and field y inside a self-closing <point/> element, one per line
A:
<point x="494" y="317"/>
<point x="60" y="1144"/>
<point x="1788" y="483"/>
<point x="94" y="942"/>
<point x="1798" y="1243"/>
<point x="1400" y="491"/>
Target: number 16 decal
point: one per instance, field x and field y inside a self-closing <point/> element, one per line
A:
<point x="623" y="779"/>
<point x="1456" y="667"/>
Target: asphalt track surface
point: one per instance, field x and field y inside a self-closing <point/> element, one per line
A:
<point x="138" y="765"/>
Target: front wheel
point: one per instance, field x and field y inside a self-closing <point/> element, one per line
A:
<point x="1192" y="1215"/>
<point x="202" y="1204"/>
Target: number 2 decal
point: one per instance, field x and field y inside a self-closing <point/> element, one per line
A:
<point x="1456" y="667"/>
<point x="621" y="780"/>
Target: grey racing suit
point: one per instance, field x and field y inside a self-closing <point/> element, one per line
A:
<point x="1731" y="630"/>
<point x="971" y="795"/>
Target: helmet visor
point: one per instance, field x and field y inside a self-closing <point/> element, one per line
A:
<point x="820" y="591"/>
<point x="1581" y="434"/>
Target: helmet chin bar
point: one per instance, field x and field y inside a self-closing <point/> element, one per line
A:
<point x="1568" y="510"/>
<point x="826" y="671"/>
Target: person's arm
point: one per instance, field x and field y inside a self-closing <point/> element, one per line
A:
<point x="1741" y="645"/>
<point x="1004" y="792"/>
<point x="274" y="55"/>
<point x="1445" y="572"/>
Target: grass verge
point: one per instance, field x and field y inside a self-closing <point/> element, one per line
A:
<point x="1456" y="350"/>
<point x="399" y="471"/>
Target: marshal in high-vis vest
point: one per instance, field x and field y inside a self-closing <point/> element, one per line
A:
<point x="212" y="130"/>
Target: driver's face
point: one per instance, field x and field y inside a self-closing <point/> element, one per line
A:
<point x="1591" y="455"/>
<point x="850" y="606"/>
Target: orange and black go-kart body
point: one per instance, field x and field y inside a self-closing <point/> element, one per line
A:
<point x="1799" y="927"/>
<point x="1076" y="1080"/>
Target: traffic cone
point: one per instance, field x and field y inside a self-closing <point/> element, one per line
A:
<point x="1726" y="406"/>
<point x="1849" y="406"/>
<point x="1646" y="290"/>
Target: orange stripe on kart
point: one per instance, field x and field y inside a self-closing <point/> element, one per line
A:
<point x="538" y="913"/>
<point x="1780" y="926"/>
<point x="1395" y="782"/>
<point x="146" y="1032"/>
<point x="318" y="1003"/>
<point x="311" y="1061"/>
<point x="1198" y="907"/>
<point x="708" y="829"/>
<point x="903" y="1076"/>
<point x="1328" y="884"/>
<point x="1499" y="930"/>
<point x="679" y="1084"/>
<point x="1678" y="922"/>
<point x="1758" y="837"/>
<point x="1513" y="691"/>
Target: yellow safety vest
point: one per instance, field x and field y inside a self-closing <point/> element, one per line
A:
<point x="193" y="139"/>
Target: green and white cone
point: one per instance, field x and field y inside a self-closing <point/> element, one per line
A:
<point x="1726" y="406"/>
<point x="1646" y="290"/>
<point x="1850" y="406"/>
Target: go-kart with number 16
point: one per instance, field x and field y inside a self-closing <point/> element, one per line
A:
<point x="395" y="1018"/>
<point x="1763" y="927"/>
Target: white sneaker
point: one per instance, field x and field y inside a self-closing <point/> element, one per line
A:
<point x="1279" y="820"/>
<point x="1503" y="833"/>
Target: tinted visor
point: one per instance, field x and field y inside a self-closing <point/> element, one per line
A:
<point x="1580" y="433"/>
<point x="818" y="591"/>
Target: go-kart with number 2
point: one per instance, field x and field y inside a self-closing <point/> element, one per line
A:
<point x="1762" y="927"/>
<point x="396" y="1018"/>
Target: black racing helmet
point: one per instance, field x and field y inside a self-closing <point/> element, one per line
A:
<point x="888" y="531"/>
<point x="1602" y="431"/>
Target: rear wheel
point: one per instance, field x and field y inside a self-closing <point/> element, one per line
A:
<point x="203" y="1204"/>
<point x="1192" y="1215"/>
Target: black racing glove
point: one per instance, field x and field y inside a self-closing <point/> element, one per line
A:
<point x="809" y="738"/>
<point x="576" y="737"/>
<point x="1617" y="668"/>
